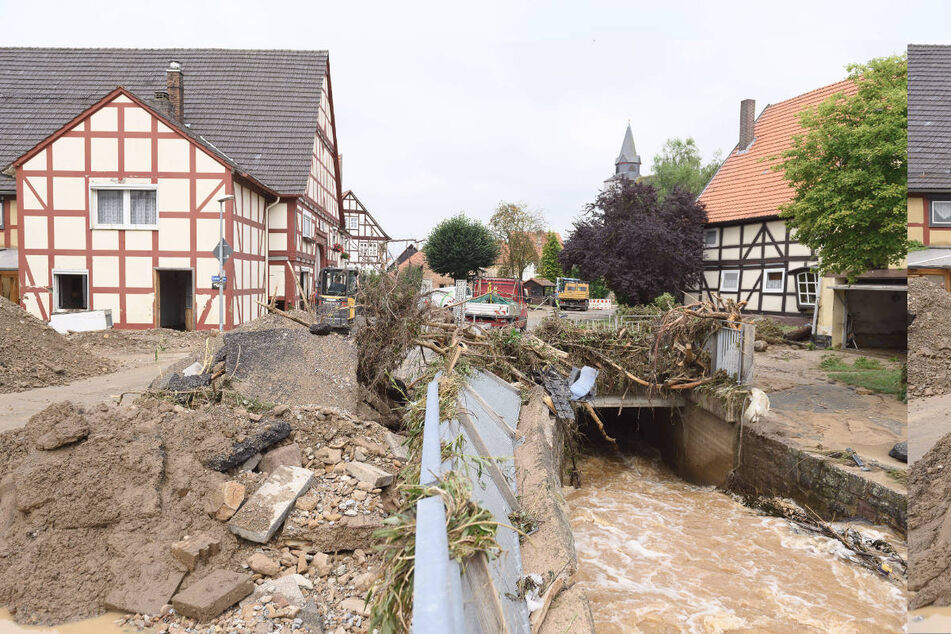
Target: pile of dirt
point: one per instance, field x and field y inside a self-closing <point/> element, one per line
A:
<point x="929" y="527"/>
<point x="91" y="499"/>
<point x="292" y="366"/>
<point x="929" y="338"/>
<point x="126" y="342"/>
<point x="34" y="355"/>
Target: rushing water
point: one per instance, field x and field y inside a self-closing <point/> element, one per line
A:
<point x="659" y="555"/>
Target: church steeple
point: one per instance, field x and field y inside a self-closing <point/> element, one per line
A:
<point x="628" y="163"/>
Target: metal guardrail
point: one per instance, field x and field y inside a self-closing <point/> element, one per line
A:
<point x="483" y="597"/>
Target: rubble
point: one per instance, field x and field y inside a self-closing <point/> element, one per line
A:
<point x="147" y="592"/>
<point x="34" y="355"/>
<point x="262" y="564"/>
<point x="191" y="550"/>
<point x="265" y="510"/>
<point x="265" y="436"/>
<point x="229" y="500"/>
<point x="288" y="455"/>
<point x="929" y="339"/>
<point x="374" y="476"/>
<point x="212" y="595"/>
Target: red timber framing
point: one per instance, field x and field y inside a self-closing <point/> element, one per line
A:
<point x="931" y="234"/>
<point x="367" y="242"/>
<point x="321" y="204"/>
<point x="120" y="141"/>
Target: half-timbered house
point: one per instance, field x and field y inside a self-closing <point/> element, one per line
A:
<point x="929" y="154"/>
<point x="367" y="242"/>
<point x="750" y="254"/>
<point x="116" y="163"/>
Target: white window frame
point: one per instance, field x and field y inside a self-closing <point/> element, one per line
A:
<point x="815" y="292"/>
<point x="2" y="215"/>
<point x="126" y="206"/>
<point x="55" y="300"/>
<point x="723" y="273"/>
<point x="307" y="219"/>
<point x="716" y="239"/>
<point x="931" y="221"/>
<point x="782" y="283"/>
<point x="352" y="226"/>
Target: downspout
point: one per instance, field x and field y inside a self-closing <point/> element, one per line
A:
<point x="267" y="248"/>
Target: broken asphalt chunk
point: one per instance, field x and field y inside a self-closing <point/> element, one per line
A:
<point x="273" y="432"/>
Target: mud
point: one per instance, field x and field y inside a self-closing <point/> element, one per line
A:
<point x="34" y="355"/>
<point x="657" y="554"/>
<point x="929" y="338"/>
<point x="929" y="527"/>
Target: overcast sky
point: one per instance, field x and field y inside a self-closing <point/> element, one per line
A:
<point x="444" y="108"/>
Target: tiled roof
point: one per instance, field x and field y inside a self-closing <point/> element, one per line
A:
<point x="258" y="107"/>
<point x="929" y="118"/>
<point x="745" y="186"/>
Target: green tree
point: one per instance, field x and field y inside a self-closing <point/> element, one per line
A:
<point x="459" y="247"/>
<point x="680" y="165"/>
<point x="512" y="225"/>
<point x="849" y="170"/>
<point x="550" y="267"/>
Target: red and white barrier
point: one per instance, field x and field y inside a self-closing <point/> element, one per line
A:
<point x="599" y="304"/>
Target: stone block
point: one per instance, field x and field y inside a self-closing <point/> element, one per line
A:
<point x="287" y="455"/>
<point x="328" y="456"/>
<point x="146" y="591"/>
<point x="355" y="605"/>
<point x="287" y="587"/>
<point x="262" y="564"/>
<point x="196" y="548"/>
<point x="397" y="448"/>
<point x="370" y="474"/>
<point x="350" y="533"/>
<point x="212" y="595"/>
<point x="266" y="510"/>
<point x="227" y="500"/>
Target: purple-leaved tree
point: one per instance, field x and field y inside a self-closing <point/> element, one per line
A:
<point x="641" y="247"/>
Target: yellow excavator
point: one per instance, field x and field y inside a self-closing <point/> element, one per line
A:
<point x="336" y="297"/>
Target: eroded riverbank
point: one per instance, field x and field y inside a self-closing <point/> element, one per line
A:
<point x="657" y="554"/>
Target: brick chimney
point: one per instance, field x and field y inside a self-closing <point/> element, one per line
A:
<point x="747" y="120"/>
<point x="176" y="91"/>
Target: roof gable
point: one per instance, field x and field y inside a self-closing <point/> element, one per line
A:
<point x="929" y="118"/>
<point x="257" y="107"/>
<point x="746" y="187"/>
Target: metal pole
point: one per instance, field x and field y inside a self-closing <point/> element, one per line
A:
<point x="221" y="266"/>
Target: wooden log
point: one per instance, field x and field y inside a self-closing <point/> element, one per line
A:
<point x="597" y="419"/>
<point x="278" y="311"/>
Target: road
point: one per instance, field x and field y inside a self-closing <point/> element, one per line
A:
<point x="16" y="408"/>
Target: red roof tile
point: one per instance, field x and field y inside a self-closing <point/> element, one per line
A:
<point x="746" y="187"/>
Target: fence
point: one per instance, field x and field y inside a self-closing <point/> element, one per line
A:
<point x="484" y="596"/>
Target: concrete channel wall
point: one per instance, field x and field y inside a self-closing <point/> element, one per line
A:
<point x="704" y="443"/>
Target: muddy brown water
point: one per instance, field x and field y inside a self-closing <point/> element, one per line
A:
<point x="657" y="554"/>
<point x="104" y="624"/>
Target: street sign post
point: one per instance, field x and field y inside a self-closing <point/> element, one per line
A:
<point x="222" y="252"/>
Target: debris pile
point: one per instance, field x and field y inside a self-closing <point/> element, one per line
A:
<point x="126" y="342"/>
<point x="929" y="516"/>
<point x="34" y="355"/>
<point x="126" y="508"/>
<point x="929" y="338"/>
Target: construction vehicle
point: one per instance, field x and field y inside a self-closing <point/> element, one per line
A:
<point x="572" y="293"/>
<point x="336" y="297"/>
<point x="498" y="301"/>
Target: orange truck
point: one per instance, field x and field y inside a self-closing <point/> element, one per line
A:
<point x="499" y="301"/>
